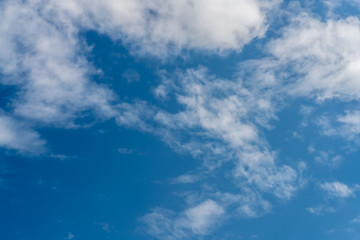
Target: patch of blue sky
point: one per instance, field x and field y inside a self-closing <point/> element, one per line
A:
<point x="55" y="196"/>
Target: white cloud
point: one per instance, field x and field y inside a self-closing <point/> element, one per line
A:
<point x="316" y="59"/>
<point x="203" y="216"/>
<point x="42" y="55"/>
<point x="249" y="204"/>
<point x="335" y="5"/>
<point x="355" y="220"/>
<point x="70" y="236"/>
<point x="259" y="169"/>
<point x="43" y="58"/>
<point x="125" y="151"/>
<point x="337" y="189"/>
<point x="137" y="114"/>
<point x="328" y="66"/>
<point x="352" y="119"/>
<point x="345" y="125"/>
<point x="131" y="75"/>
<point x="220" y="122"/>
<point x="312" y="58"/>
<point x="328" y="158"/>
<point x="186" y="178"/>
<point x="222" y="109"/>
<point x="17" y="136"/>
<point x="320" y="210"/>
<point x="161" y="27"/>
<point x="350" y="124"/>
<point x="195" y="221"/>
<point x="105" y="227"/>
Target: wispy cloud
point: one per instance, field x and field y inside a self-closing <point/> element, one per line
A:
<point x="125" y="150"/>
<point x="328" y="158"/>
<point x="220" y="122"/>
<point x="248" y="204"/>
<point x="337" y="189"/>
<point x="131" y="75"/>
<point x="184" y="179"/>
<point x="355" y="220"/>
<point x="106" y="227"/>
<point x="70" y="236"/>
<point x="320" y="210"/>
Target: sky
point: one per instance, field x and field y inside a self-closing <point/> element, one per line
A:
<point x="179" y="119"/>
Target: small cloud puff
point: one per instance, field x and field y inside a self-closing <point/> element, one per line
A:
<point x="186" y="178"/>
<point x="337" y="189"/>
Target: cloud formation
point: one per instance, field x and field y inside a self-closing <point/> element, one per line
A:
<point x="337" y="189"/>
<point x="161" y="27"/>
<point x="313" y="58"/>
<point x="15" y="135"/>
<point x="220" y="123"/>
<point x="197" y="220"/>
<point x="43" y="59"/>
<point x="52" y="74"/>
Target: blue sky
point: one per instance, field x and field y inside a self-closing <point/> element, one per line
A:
<point x="169" y="120"/>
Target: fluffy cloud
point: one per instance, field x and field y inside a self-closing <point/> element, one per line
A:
<point x="203" y="218"/>
<point x="41" y="53"/>
<point x="318" y="60"/>
<point x="43" y="59"/>
<point x="160" y="27"/>
<point x="313" y="58"/>
<point x="329" y="65"/>
<point x="194" y="221"/>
